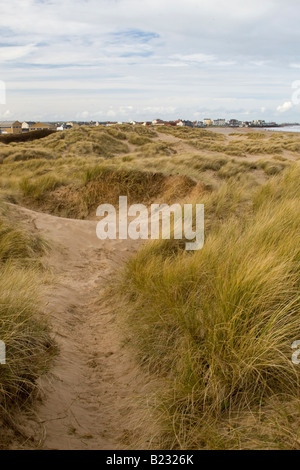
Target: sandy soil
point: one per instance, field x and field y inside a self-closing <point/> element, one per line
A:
<point x="180" y="145"/>
<point x="90" y="398"/>
<point x="183" y="147"/>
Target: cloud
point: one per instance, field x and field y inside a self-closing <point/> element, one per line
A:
<point x="285" y="107"/>
<point x="170" y="57"/>
<point x="12" y="53"/>
<point x="199" y="59"/>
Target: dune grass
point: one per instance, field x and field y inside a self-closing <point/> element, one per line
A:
<point x="217" y="326"/>
<point x="29" y="347"/>
<point x="33" y="171"/>
<point x="16" y="243"/>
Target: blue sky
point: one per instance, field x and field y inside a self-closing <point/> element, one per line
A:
<point x="141" y="59"/>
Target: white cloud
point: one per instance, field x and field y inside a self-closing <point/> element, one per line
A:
<point x="111" y="113"/>
<point x="169" y="57"/>
<point x="15" y="52"/>
<point x="198" y="59"/>
<point x="285" y="107"/>
<point x="83" y="115"/>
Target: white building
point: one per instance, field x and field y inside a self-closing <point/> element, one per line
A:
<point x="219" y="122"/>
<point x="26" y="125"/>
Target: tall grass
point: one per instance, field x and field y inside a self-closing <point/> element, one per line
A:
<point x="217" y="326"/>
<point x="26" y="336"/>
<point x="38" y="188"/>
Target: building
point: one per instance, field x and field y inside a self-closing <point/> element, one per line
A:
<point x="40" y="126"/>
<point x="188" y="123"/>
<point x="26" y="125"/>
<point x="207" y="122"/>
<point x="63" y="127"/>
<point x="234" y="123"/>
<point x="10" y="127"/>
<point x="158" y="122"/>
<point x="219" y="122"/>
<point x="258" y="123"/>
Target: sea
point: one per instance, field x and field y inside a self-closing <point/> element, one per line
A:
<point x="283" y="129"/>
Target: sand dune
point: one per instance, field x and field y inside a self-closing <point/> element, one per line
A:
<point x="87" y="397"/>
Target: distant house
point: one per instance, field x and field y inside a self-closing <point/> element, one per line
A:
<point x="10" y="127"/>
<point x="207" y="122"/>
<point x="198" y="124"/>
<point x="258" y="123"/>
<point x="63" y="127"/>
<point x="234" y="123"/>
<point x="40" y="126"/>
<point x="95" y="124"/>
<point x="219" y="122"/>
<point x="110" y="123"/>
<point x="26" y="125"/>
<point x="188" y="123"/>
<point x="158" y="122"/>
<point x="183" y="123"/>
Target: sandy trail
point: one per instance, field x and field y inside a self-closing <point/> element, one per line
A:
<point x="91" y="394"/>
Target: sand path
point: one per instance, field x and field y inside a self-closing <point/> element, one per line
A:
<point x="91" y="395"/>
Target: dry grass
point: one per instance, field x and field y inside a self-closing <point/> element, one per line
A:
<point x="218" y="325"/>
<point x="215" y="326"/>
<point x="30" y="172"/>
<point x="101" y="184"/>
<point x="28" y="344"/>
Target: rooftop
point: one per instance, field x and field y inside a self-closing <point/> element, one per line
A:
<point x="7" y="123"/>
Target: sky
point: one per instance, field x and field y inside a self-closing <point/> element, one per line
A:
<point x="123" y="60"/>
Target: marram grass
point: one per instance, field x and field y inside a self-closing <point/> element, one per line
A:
<point x="217" y="325"/>
<point x="25" y="333"/>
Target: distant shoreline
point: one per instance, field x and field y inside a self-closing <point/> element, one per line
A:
<point x="283" y="129"/>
